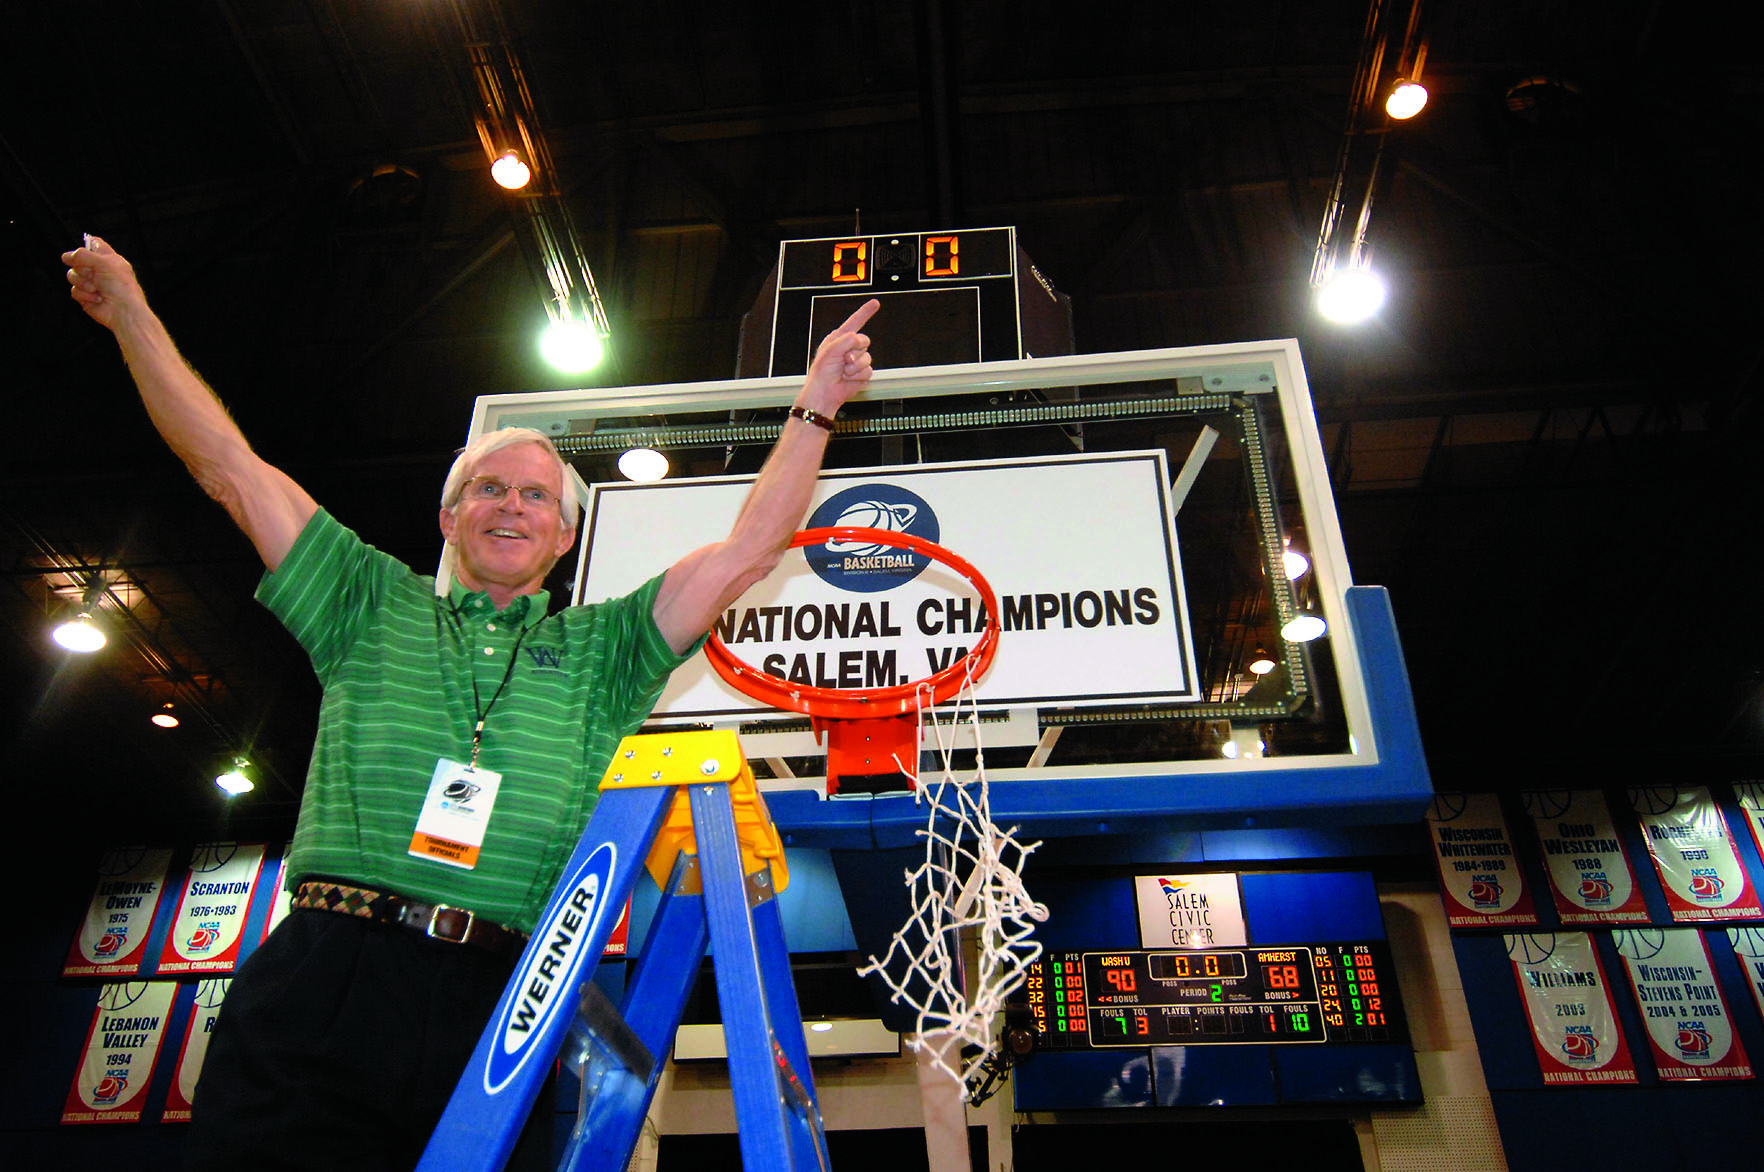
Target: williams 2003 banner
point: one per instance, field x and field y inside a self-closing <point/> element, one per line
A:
<point x="112" y="940"/>
<point x="1693" y="851"/>
<point x="1590" y="878"/>
<point x="116" y="1063"/>
<point x="1568" y="1002"/>
<point x="1689" y="1027"/>
<point x="1080" y="550"/>
<point x="212" y="906"/>
<point x="1479" y="873"/>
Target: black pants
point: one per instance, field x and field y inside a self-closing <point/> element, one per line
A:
<point x="338" y="1047"/>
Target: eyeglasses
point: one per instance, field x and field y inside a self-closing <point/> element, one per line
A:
<point x="484" y="488"/>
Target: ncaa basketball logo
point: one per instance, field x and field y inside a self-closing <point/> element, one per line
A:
<point x="1580" y="1044"/>
<point x="865" y="567"/>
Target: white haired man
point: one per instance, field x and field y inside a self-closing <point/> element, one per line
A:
<point x="342" y="1036"/>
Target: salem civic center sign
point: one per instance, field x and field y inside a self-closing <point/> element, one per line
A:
<point x="1081" y="552"/>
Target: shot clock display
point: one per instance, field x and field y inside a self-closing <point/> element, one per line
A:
<point x="947" y="297"/>
<point x="1318" y="993"/>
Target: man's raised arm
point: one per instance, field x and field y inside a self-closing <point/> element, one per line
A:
<point x="703" y="583"/>
<point x="264" y="501"/>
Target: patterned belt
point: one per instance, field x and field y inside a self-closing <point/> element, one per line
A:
<point x="438" y="921"/>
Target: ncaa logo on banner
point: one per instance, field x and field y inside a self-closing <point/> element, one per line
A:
<point x="865" y="567"/>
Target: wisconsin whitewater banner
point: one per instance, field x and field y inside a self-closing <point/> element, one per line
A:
<point x="1590" y="878"/>
<point x="1689" y="1027"/>
<point x="212" y="906"/>
<point x="1694" y="853"/>
<point x="1478" y="871"/>
<point x="204" y="1011"/>
<point x="1568" y="1001"/>
<point x="112" y="941"/>
<point x="117" y="1061"/>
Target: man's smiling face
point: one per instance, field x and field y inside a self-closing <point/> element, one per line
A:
<point x="507" y="546"/>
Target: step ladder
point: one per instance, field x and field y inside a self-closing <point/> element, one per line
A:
<point x="684" y="804"/>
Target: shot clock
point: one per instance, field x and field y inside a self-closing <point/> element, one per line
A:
<point x="1302" y="993"/>
<point x="947" y="297"/>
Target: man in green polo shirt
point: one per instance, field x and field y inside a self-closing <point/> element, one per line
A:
<point x="343" y="1035"/>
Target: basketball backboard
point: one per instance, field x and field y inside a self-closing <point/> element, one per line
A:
<point x="1053" y="458"/>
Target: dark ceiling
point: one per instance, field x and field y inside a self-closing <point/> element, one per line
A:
<point x="1540" y="447"/>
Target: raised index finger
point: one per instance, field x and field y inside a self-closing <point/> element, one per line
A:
<point x="863" y="313"/>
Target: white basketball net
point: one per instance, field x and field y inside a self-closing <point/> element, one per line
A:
<point x="971" y="883"/>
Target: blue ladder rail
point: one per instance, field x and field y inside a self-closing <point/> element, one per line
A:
<point x="684" y="805"/>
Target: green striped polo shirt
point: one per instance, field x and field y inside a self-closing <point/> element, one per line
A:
<point x="398" y="666"/>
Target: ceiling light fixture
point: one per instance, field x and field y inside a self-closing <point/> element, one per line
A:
<point x="644" y="465"/>
<point x="1263" y="663"/>
<point x="1407" y="99"/>
<point x="233" y="781"/>
<point x="1303" y="627"/>
<point x="80" y="634"/>
<point x="572" y="346"/>
<point x="165" y="717"/>
<point x="1294" y="562"/>
<point x="1351" y="296"/>
<point x="510" y="173"/>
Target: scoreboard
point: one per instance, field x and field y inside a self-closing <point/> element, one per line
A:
<point x="947" y="297"/>
<point x="1299" y="993"/>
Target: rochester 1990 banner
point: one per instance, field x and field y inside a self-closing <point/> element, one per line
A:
<point x="1080" y="550"/>
<point x="1693" y="851"/>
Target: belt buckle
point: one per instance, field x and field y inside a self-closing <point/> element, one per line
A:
<point x="435" y="914"/>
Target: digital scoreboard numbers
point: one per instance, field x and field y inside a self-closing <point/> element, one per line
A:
<point x="947" y="297"/>
<point x="1340" y="993"/>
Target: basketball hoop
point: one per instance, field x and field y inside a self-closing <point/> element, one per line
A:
<point x="971" y="880"/>
<point x="870" y="732"/>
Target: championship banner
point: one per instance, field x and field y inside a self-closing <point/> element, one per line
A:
<point x="113" y="938"/>
<point x="111" y="1083"/>
<point x="1748" y="948"/>
<point x="212" y="907"/>
<point x="1751" y="800"/>
<point x="1694" y="853"/>
<point x="281" y="899"/>
<point x="1568" y="1001"/>
<point x="1688" y="1024"/>
<point x="1478" y="871"/>
<point x="204" y="1011"/>
<point x="1081" y="551"/>
<point x="1590" y="878"/>
<point x="1190" y="911"/>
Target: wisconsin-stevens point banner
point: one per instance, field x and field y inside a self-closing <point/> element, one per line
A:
<point x="1080" y="550"/>
<point x="1590" y="878"/>
<point x="1688" y="1024"/>
<point x="1568" y="1000"/>
<point x="113" y="938"/>
<point x="116" y="1063"/>
<point x="204" y="1011"/>
<point x="1694" y="854"/>
<point x="212" y="906"/>
<point x="1478" y="871"/>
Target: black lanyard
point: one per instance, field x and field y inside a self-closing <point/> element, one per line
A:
<point x="480" y="710"/>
